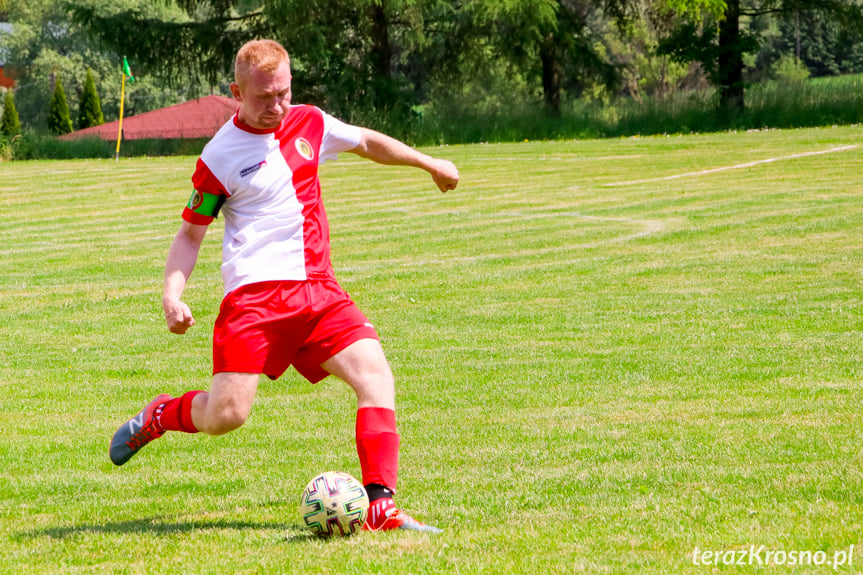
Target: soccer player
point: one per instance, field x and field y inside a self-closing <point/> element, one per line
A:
<point x="282" y="305"/>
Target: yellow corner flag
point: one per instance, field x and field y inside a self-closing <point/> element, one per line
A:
<point x="126" y="72"/>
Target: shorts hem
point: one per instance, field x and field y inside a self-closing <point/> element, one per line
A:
<point x="318" y="373"/>
<point x="255" y="369"/>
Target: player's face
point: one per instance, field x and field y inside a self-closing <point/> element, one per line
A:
<point x="264" y="97"/>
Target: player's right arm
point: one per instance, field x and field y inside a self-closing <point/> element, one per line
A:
<point x="181" y="261"/>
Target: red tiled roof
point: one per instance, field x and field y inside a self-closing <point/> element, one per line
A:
<point x="199" y="118"/>
<point x="6" y="81"/>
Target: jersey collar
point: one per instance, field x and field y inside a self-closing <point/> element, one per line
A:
<point x="246" y="128"/>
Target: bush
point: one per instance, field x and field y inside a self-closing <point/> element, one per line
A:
<point x="5" y="149"/>
<point x="34" y="146"/>
<point x="90" y="108"/>
<point x="790" y="69"/>
<point x="59" y="121"/>
<point x="10" y="125"/>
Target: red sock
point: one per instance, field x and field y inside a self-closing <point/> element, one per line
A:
<point x="378" y="446"/>
<point x="177" y="413"/>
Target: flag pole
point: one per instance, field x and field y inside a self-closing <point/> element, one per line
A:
<point x="120" y="124"/>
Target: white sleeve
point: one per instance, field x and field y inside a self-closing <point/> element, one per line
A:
<point x="338" y="137"/>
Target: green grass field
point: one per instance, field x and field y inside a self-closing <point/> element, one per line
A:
<point x="601" y="368"/>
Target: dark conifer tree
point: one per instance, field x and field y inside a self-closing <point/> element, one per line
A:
<point x="90" y="107"/>
<point x="59" y="121"/>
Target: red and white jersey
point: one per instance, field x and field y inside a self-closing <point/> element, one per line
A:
<point x="266" y="182"/>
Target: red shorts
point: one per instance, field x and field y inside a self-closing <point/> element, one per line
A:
<point x="266" y="327"/>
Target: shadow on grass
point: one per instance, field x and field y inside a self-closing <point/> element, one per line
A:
<point x="161" y="526"/>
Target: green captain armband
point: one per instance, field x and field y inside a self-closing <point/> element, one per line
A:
<point x="205" y="204"/>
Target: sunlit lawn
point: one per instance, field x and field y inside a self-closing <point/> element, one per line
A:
<point x="601" y="368"/>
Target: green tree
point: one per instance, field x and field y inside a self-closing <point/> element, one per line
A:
<point x="554" y="46"/>
<point x="536" y="36"/>
<point x="825" y="47"/>
<point x="357" y="57"/>
<point x="59" y="121"/>
<point x="362" y="58"/>
<point x="90" y="108"/>
<point x="10" y="125"/>
<point x="181" y="42"/>
<point x="715" y="33"/>
<point x="46" y="40"/>
<point x="567" y="46"/>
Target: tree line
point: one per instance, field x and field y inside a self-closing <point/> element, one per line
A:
<point x="383" y="60"/>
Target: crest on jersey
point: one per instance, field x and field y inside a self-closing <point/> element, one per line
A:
<point x="304" y="148"/>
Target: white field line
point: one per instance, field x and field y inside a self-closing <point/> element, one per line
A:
<point x="736" y="167"/>
<point x="648" y="227"/>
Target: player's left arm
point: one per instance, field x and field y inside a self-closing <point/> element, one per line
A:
<point x="387" y="150"/>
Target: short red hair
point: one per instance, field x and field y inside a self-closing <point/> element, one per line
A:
<point x="264" y="55"/>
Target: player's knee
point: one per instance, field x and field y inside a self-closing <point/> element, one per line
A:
<point x="376" y="379"/>
<point x="226" y="420"/>
<point x="375" y="388"/>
